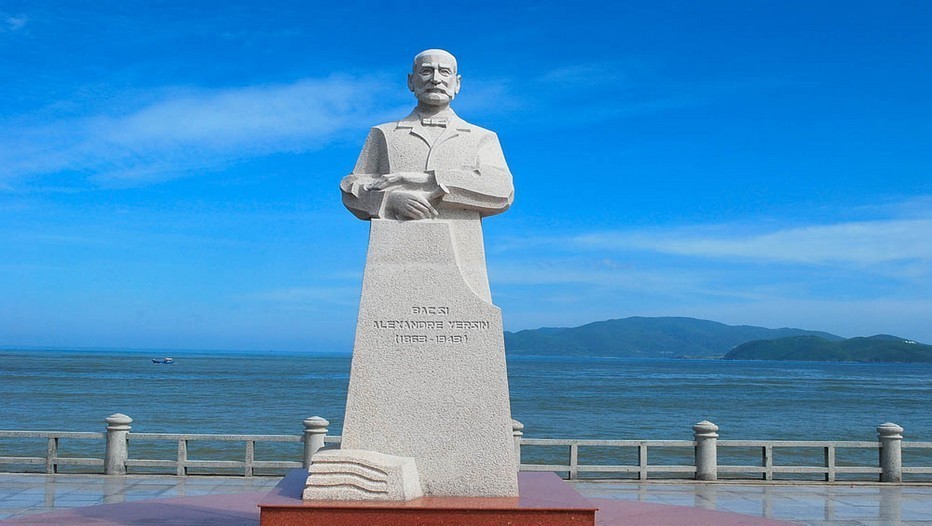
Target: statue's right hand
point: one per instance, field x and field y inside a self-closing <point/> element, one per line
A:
<point x="398" y="178"/>
<point x="410" y="205"/>
<point x="384" y="181"/>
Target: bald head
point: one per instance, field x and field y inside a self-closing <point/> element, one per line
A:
<point x="434" y="56"/>
<point x="433" y="78"/>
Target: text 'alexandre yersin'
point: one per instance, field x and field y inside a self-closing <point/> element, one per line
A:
<point x="431" y="324"/>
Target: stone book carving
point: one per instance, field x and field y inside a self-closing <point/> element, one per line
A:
<point x="428" y="380"/>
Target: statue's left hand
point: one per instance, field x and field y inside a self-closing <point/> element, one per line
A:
<point x="410" y="205"/>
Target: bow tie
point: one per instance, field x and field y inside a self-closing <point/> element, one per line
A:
<point x="436" y="121"/>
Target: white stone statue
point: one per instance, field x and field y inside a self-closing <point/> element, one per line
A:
<point x="433" y="165"/>
<point x="427" y="410"/>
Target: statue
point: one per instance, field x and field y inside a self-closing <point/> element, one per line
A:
<point x="427" y="410"/>
<point x="433" y="165"/>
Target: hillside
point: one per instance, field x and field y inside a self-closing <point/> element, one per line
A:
<point x="880" y="348"/>
<point x="639" y="337"/>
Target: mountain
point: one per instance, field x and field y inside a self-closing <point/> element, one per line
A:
<point x="639" y="337"/>
<point x="879" y="348"/>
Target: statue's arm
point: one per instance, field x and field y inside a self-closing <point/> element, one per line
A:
<point x="371" y="192"/>
<point x="486" y="187"/>
<point x="358" y="195"/>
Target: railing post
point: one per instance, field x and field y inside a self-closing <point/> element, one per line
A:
<point x="830" y="463"/>
<point x="315" y="429"/>
<point x="181" y="463"/>
<point x="891" y="452"/>
<point x="118" y="426"/>
<point x="250" y="458"/>
<point x="766" y="462"/>
<point x="706" y="450"/>
<point x="642" y="461"/>
<point x="574" y="461"/>
<point x="517" y="432"/>
<point x="51" y="456"/>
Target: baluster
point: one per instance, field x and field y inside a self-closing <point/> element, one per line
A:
<point x="51" y="456"/>
<point x="315" y="430"/>
<point x="767" y="452"/>
<point x="517" y="432"/>
<point x="891" y="453"/>
<point x="250" y="457"/>
<point x="642" y="461"/>
<point x="118" y="427"/>
<point x="706" y="452"/>
<point x="574" y="461"/>
<point x="830" y="463"/>
<point x="181" y="468"/>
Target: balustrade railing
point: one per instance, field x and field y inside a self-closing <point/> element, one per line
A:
<point x="51" y="460"/>
<point x="698" y="458"/>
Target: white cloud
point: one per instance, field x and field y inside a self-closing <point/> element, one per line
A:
<point x="602" y="275"/>
<point x="860" y="243"/>
<point x="318" y="297"/>
<point x="195" y="130"/>
<point x="12" y="23"/>
<point x="585" y="74"/>
<point x="904" y="317"/>
<point x="592" y="92"/>
<point x="852" y="278"/>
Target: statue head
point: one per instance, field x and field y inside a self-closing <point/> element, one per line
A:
<point x="433" y="77"/>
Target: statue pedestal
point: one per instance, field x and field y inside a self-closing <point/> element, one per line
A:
<point x="428" y="379"/>
<point x="545" y="500"/>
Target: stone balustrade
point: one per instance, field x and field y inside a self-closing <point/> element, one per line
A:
<point x="705" y="458"/>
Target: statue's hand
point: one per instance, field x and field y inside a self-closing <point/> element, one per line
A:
<point x="400" y="178"/>
<point x="384" y="181"/>
<point x="410" y="205"/>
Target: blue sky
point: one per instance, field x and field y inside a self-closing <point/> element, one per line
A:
<point x="169" y="172"/>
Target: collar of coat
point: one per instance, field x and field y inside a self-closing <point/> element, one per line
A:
<point x="413" y="120"/>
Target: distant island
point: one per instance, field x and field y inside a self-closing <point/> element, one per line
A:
<point x="640" y="337"/>
<point x="679" y="337"/>
<point x="880" y="348"/>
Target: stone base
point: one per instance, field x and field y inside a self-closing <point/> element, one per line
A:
<point x="545" y="500"/>
<point x="353" y="474"/>
<point x="428" y="379"/>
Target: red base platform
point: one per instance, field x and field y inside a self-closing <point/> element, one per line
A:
<point x="545" y="500"/>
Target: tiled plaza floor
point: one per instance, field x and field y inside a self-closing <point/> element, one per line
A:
<point x="22" y="494"/>
<point x="812" y="504"/>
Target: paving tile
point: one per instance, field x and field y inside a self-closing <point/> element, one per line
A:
<point x="832" y="523"/>
<point x="836" y="505"/>
<point x="746" y="509"/>
<point x="16" y="502"/>
<point x="18" y="512"/>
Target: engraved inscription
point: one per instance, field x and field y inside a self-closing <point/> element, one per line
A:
<point x="431" y="311"/>
<point x="424" y="338"/>
<point x="408" y="324"/>
<point x="434" y="330"/>
<point x="432" y="324"/>
<point x="411" y="338"/>
<point x="457" y="324"/>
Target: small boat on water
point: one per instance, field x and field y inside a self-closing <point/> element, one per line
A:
<point x="167" y="361"/>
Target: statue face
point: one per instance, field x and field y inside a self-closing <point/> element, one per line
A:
<point x="434" y="80"/>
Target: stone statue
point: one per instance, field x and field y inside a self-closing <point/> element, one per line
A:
<point x="431" y="163"/>
<point x="427" y="410"/>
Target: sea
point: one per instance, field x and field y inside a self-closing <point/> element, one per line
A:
<point x="554" y="397"/>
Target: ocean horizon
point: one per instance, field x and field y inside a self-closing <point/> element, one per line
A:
<point x="255" y="392"/>
<point x="554" y="396"/>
